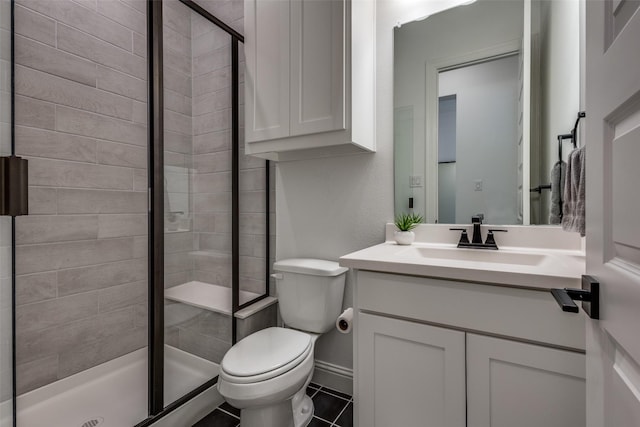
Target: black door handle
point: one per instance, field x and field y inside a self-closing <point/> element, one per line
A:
<point x="589" y="295"/>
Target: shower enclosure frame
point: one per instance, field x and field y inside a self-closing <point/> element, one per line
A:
<point x="157" y="409"/>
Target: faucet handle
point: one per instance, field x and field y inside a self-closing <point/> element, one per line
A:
<point x="464" y="237"/>
<point x="490" y="239"/>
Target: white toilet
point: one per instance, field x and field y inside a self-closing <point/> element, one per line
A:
<point x="266" y="374"/>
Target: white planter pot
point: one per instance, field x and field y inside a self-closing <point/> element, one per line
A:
<point x="404" y="237"/>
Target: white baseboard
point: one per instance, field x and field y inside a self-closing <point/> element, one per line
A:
<point x="333" y="376"/>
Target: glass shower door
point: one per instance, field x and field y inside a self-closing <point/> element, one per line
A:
<point x="197" y="198"/>
<point x="6" y="298"/>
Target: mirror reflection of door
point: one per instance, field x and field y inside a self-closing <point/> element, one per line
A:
<point x="478" y="159"/>
<point x="447" y="159"/>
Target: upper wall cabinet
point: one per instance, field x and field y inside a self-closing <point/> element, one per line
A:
<point x="309" y="81"/>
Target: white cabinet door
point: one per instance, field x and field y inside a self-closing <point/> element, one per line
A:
<point x="317" y="66"/>
<point x="267" y="69"/>
<point x="515" y="384"/>
<point x="409" y="374"/>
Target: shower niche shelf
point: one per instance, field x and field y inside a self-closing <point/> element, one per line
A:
<point x="207" y="296"/>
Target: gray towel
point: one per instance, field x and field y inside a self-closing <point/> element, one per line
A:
<point x="557" y="187"/>
<point x="574" y="193"/>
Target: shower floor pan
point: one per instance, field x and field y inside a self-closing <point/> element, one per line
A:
<point x="114" y="394"/>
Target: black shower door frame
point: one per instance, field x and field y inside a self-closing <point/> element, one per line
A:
<point x="157" y="410"/>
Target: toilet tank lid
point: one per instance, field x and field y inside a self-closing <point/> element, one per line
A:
<point x="314" y="267"/>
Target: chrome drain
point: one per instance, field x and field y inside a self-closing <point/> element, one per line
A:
<point x="93" y="423"/>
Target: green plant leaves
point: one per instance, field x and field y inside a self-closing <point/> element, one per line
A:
<point x="407" y="222"/>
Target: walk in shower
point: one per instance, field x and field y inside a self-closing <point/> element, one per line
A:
<point x="148" y="227"/>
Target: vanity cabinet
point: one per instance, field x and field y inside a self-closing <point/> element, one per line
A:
<point x="440" y="353"/>
<point x="299" y="95"/>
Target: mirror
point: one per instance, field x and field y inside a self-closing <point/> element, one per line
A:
<point x="481" y="92"/>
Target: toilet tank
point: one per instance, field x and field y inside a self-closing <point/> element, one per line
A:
<point x="310" y="293"/>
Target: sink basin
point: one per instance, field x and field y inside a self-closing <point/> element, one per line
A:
<point x="473" y="255"/>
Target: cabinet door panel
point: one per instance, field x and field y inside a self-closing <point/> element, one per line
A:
<point x="317" y="66"/>
<point x="409" y="374"/>
<point x="267" y="69"/>
<point x="515" y="384"/>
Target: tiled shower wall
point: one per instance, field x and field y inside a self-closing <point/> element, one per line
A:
<point x="81" y="254"/>
<point x="81" y="121"/>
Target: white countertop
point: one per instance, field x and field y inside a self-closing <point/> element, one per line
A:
<point x="541" y="268"/>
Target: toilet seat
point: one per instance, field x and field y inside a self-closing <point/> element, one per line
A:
<point x="265" y="354"/>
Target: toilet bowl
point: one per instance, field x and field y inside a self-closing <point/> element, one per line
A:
<point x="263" y="373"/>
<point x="266" y="374"/>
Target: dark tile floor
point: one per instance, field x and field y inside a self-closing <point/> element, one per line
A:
<point x="331" y="409"/>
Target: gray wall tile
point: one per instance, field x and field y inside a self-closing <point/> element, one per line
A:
<point x="45" y="58"/>
<point x="120" y="296"/>
<point x="83" y="357"/>
<point x="212" y="142"/>
<point x="34" y="25"/>
<point x="30" y="112"/>
<point x="53" y="145"/>
<point x="46" y="87"/>
<point x="36" y="287"/>
<point x="55" y="256"/>
<point x="101" y="276"/>
<point x="205" y="346"/>
<point x="101" y="52"/>
<point x="84" y="19"/>
<point x="139" y="45"/>
<point x="60" y="173"/>
<point x="92" y="125"/>
<point x="58" y="228"/>
<point x="139" y="5"/>
<point x="77" y="201"/>
<point x="125" y="14"/>
<point x="55" y="312"/>
<point x="121" y="83"/>
<point x="35" y="374"/>
<point x="116" y="154"/>
<point x="122" y="225"/>
<point x="42" y="200"/>
<point x="263" y="319"/>
<point x="35" y="344"/>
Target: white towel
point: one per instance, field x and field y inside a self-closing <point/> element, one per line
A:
<point x="557" y="188"/>
<point x="573" y="208"/>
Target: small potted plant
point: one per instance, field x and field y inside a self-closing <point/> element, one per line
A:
<point x="405" y="223"/>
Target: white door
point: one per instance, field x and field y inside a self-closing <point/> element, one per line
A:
<point x="613" y="210"/>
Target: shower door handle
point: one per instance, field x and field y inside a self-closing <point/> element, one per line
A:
<point x="14" y="186"/>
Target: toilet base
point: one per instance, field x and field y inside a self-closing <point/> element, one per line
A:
<point x="295" y="412"/>
<point x="302" y="410"/>
<point x="279" y="414"/>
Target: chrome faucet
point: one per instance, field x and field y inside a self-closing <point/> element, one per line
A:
<point x="476" y="240"/>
